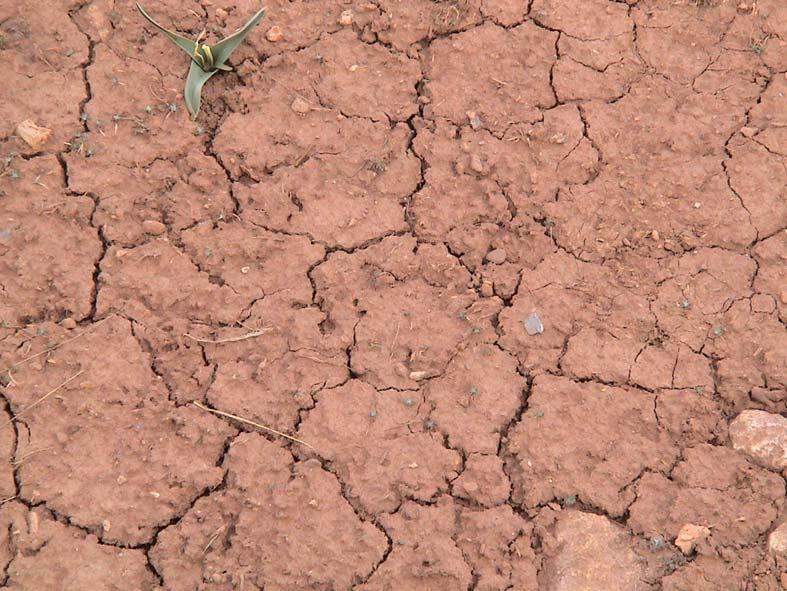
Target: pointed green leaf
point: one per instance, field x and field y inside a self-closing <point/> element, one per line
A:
<point x="194" y="82"/>
<point x="223" y="49"/>
<point x="186" y="45"/>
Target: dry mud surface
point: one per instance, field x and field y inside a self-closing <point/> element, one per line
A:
<point x="345" y="247"/>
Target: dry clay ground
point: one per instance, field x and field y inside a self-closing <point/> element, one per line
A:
<point x="345" y="246"/>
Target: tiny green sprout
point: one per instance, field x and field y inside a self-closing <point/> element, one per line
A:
<point x="148" y="109"/>
<point x="408" y="402"/>
<point x="83" y="117"/>
<point x="698" y="390"/>
<point x="206" y="60"/>
<point x="208" y="251"/>
<point x="570" y="501"/>
<point x="430" y="425"/>
<point x="758" y="49"/>
<point x="718" y="331"/>
<point x="15" y="174"/>
<point x="473" y="391"/>
<point x="373" y="413"/>
<point x="539" y="414"/>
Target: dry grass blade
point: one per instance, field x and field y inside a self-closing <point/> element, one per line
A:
<point x="44" y="397"/>
<point x="248" y="422"/>
<point x="213" y="539"/>
<point x="250" y="335"/>
<point x="57" y="346"/>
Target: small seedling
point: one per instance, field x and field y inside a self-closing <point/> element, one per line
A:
<point x="206" y="60"/>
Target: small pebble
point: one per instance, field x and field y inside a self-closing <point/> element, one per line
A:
<point x="300" y="106"/>
<point x="69" y="323"/>
<point x="274" y="34"/>
<point x="476" y="164"/>
<point x="245" y="270"/>
<point x="749" y="131"/>
<point x="697" y="205"/>
<point x="32" y="523"/>
<point x="533" y="325"/>
<point x="346" y="18"/>
<point x="487" y="290"/>
<point x="106" y="525"/>
<point x="153" y="227"/>
<point x="496" y="256"/>
<point x="417" y="375"/>
<point x="372" y="413"/>
<point x="475" y="120"/>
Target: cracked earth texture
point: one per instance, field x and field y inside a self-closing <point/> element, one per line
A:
<point x="344" y="247"/>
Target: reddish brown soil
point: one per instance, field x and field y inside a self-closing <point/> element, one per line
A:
<point x="344" y="247"/>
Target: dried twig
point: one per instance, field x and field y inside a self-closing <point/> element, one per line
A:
<point x="213" y="539"/>
<point x="44" y="397"/>
<point x="250" y="335"/>
<point x="57" y="346"/>
<point x="248" y="422"/>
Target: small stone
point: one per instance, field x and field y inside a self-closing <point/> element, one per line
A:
<point x="476" y="164"/>
<point x="300" y="106"/>
<point x="533" y="325"/>
<point x="418" y="375"/>
<point x="762" y="436"/>
<point x="245" y="270"/>
<point x="475" y="120"/>
<point x="689" y="535"/>
<point x="487" y="290"/>
<point x="33" y="135"/>
<point x="32" y="523"/>
<point x="346" y="18"/>
<point x="697" y="205"/>
<point x="153" y="227"/>
<point x="749" y="131"/>
<point x="483" y="481"/>
<point x="69" y="323"/>
<point x="655" y="235"/>
<point x="496" y="256"/>
<point x="274" y="34"/>
<point x="777" y="542"/>
<point x="121" y="480"/>
<point x="353" y="68"/>
<point x="106" y="525"/>
<point x="763" y="303"/>
<point x="591" y="553"/>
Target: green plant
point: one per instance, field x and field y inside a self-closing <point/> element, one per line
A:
<point x="206" y="60"/>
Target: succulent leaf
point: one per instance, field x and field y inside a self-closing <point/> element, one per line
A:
<point x="194" y="82"/>
<point x="186" y="45"/>
<point x="224" y="48"/>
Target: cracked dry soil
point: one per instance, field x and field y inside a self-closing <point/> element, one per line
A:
<point x="344" y="247"/>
